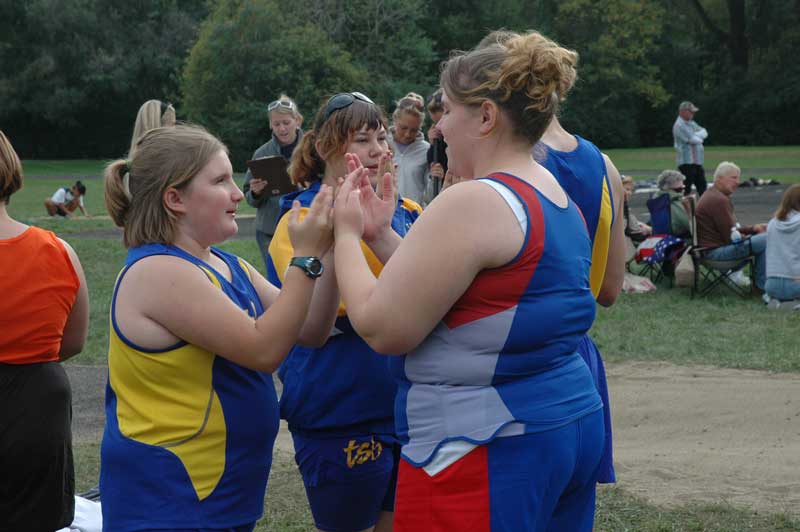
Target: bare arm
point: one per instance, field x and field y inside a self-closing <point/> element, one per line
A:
<point x="167" y="297"/>
<point x="77" y="326"/>
<point x="325" y="301"/>
<point x="175" y="295"/>
<point x="435" y="264"/>
<point x="615" y="266"/>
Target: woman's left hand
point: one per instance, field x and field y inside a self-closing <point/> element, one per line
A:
<point x="377" y="211"/>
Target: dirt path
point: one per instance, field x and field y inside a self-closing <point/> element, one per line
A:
<point x="681" y="434"/>
<point x="688" y="434"/>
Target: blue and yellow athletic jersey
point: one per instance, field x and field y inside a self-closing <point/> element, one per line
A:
<point x="582" y="174"/>
<point x="189" y="435"/>
<point x="344" y="387"/>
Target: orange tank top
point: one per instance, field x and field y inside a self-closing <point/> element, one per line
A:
<point x="38" y="285"/>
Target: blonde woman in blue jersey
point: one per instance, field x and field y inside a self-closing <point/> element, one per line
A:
<point x="338" y="398"/>
<point x="592" y="181"/>
<point x="191" y="409"/>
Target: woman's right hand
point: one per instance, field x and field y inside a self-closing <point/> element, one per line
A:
<point x="313" y="235"/>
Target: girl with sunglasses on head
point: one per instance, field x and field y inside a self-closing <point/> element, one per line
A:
<point x="338" y="398"/>
<point x="501" y="424"/>
<point x="194" y="335"/>
<point x="284" y="122"/>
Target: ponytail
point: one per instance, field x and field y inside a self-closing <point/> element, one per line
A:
<point x="117" y="193"/>
<point x="306" y="165"/>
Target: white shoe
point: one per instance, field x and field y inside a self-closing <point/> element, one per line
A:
<point x="739" y="278"/>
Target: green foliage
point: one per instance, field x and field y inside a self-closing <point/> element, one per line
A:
<point x="76" y="71"/>
<point x="616" y="41"/>
<point x="250" y="51"/>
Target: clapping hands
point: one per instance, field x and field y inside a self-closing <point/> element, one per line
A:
<point x="359" y="210"/>
<point x="313" y="235"/>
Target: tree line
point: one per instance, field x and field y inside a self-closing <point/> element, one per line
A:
<point x="74" y="72"/>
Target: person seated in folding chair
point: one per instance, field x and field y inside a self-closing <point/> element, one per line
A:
<point x="716" y="224"/>
<point x="670" y="228"/>
<point x="635" y="230"/>
<point x="671" y="185"/>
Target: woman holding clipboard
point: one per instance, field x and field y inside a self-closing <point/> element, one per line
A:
<point x="284" y="122"/>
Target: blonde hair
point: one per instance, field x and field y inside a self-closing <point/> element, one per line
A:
<point x="152" y="114"/>
<point x="308" y="165"/>
<point x="413" y="104"/>
<point x="294" y="111"/>
<point x="524" y="74"/>
<point x="626" y="179"/>
<point x="789" y="202"/>
<point x="435" y="102"/>
<point x="10" y="169"/>
<point x="134" y="189"/>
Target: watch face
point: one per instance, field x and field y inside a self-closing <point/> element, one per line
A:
<point x="314" y="266"/>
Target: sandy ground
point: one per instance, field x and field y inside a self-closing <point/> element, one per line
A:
<point x="688" y="434"/>
<point x="681" y="434"/>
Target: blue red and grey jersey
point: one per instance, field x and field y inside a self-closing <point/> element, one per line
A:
<point x="189" y="434"/>
<point x="343" y="387"/>
<point x="582" y="174"/>
<point x="505" y="353"/>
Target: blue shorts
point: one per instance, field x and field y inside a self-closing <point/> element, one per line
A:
<point x="542" y="481"/>
<point x="348" y="481"/>
<point x="591" y="355"/>
<point x="243" y="528"/>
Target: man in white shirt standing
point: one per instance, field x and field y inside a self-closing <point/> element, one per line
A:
<point x="689" y="137"/>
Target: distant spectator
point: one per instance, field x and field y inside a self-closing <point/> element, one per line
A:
<point x="634" y="229"/>
<point x="671" y="183"/>
<point x="409" y="146"/>
<point x="689" y="137"/>
<point x="66" y="199"/>
<point x="715" y="221"/>
<point x="437" y="153"/>
<point x="285" y="122"/>
<point x="44" y="317"/>
<point x="783" y="248"/>
<point x="152" y="114"/>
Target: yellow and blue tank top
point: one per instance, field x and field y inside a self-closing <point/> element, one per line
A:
<point x="582" y="174"/>
<point x="189" y="435"/>
<point x="343" y="387"/>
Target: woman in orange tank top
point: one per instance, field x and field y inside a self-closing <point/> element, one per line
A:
<point x="44" y="317"/>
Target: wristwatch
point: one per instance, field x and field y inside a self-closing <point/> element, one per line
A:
<point x="312" y="266"/>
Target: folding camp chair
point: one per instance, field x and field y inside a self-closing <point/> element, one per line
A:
<point x="710" y="273"/>
<point x="660" y="253"/>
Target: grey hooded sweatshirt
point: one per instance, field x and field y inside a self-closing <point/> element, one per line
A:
<point x="783" y="247"/>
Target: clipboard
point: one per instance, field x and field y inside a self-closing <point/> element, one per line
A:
<point x="273" y="170"/>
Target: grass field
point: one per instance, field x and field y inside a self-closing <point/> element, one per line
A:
<point x="28" y="204"/>
<point x="773" y="161"/>
<point x="663" y="326"/>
